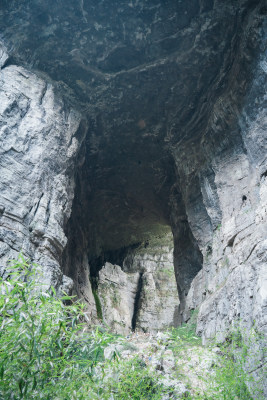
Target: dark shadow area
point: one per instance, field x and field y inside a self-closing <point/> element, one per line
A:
<point x="136" y="301"/>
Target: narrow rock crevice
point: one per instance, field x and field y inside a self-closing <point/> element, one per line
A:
<point x="9" y="61"/>
<point x="137" y="301"/>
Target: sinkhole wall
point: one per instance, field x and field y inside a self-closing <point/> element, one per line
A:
<point x="116" y="127"/>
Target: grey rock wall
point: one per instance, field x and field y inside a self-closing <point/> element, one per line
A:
<point x="117" y="292"/>
<point x="232" y="237"/>
<point x="158" y="303"/>
<point x="227" y="217"/>
<point x="38" y="155"/>
<point x="142" y="293"/>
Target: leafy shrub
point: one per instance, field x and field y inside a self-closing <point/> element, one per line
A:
<point x="229" y="379"/>
<point x="44" y="351"/>
<point x="136" y="382"/>
<point x="47" y="353"/>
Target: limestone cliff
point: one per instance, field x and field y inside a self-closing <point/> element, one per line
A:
<point x="142" y="294"/>
<point x="120" y="123"/>
<point x="40" y="140"/>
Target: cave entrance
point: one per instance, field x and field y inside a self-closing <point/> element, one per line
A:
<point x="121" y="248"/>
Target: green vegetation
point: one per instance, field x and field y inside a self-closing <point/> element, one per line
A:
<point x="185" y="335"/>
<point x="136" y="382"/>
<point x="230" y="378"/>
<point x="115" y="299"/>
<point x="97" y="304"/>
<point x="168" y="272"/>
<point x="44" y="350"/>
<point x="227" y="377"/>
<point x="47" y="352"/>
<point x="218" y="227"/>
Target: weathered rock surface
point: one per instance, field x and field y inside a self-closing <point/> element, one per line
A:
<point x="38" y="156"/>
<point x="143" y="295"/>
<point x="157" y="307"/>
<point x="233" y="279"/>
<point x="185" y="370"/>
<point x="117" y="291"/>
<point x="173" y="97"/>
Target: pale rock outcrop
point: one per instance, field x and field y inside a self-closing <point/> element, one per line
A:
<point x="142" y="294"/>
<point x="231" y="288"/>
<point x="233" y="281"/>
<point x="117" y="291"/>
<point x="38" y="153"/>
<point x="159" y="302"/>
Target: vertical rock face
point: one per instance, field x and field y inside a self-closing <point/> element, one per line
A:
<point x="224" y="199"/>
<point x="117" y="292"/>
<point x="232" y="236"/>
<point x="158" y="302"/>
<point x="38" y="156"/>
<point x="142" y="294"/>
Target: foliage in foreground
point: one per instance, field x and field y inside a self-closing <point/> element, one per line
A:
<point x="228" y="378"/>
<point x="47" y="353"/>
<point x="231" y="377"/>
<point x="184" y="336"/>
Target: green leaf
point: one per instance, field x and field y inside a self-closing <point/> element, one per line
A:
<point x="21" y="385"/>
<point x="2" y="369"/>
<point x="53" y="290"/>
<point x="34" y="383"/>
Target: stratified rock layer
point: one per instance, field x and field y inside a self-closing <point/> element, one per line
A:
<point x="158" y="302"/>
<point x="38" y="156"/>
<point x="117" y="292"/>
<point x="120" y="122"/>
<point x="142" y="294"/>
